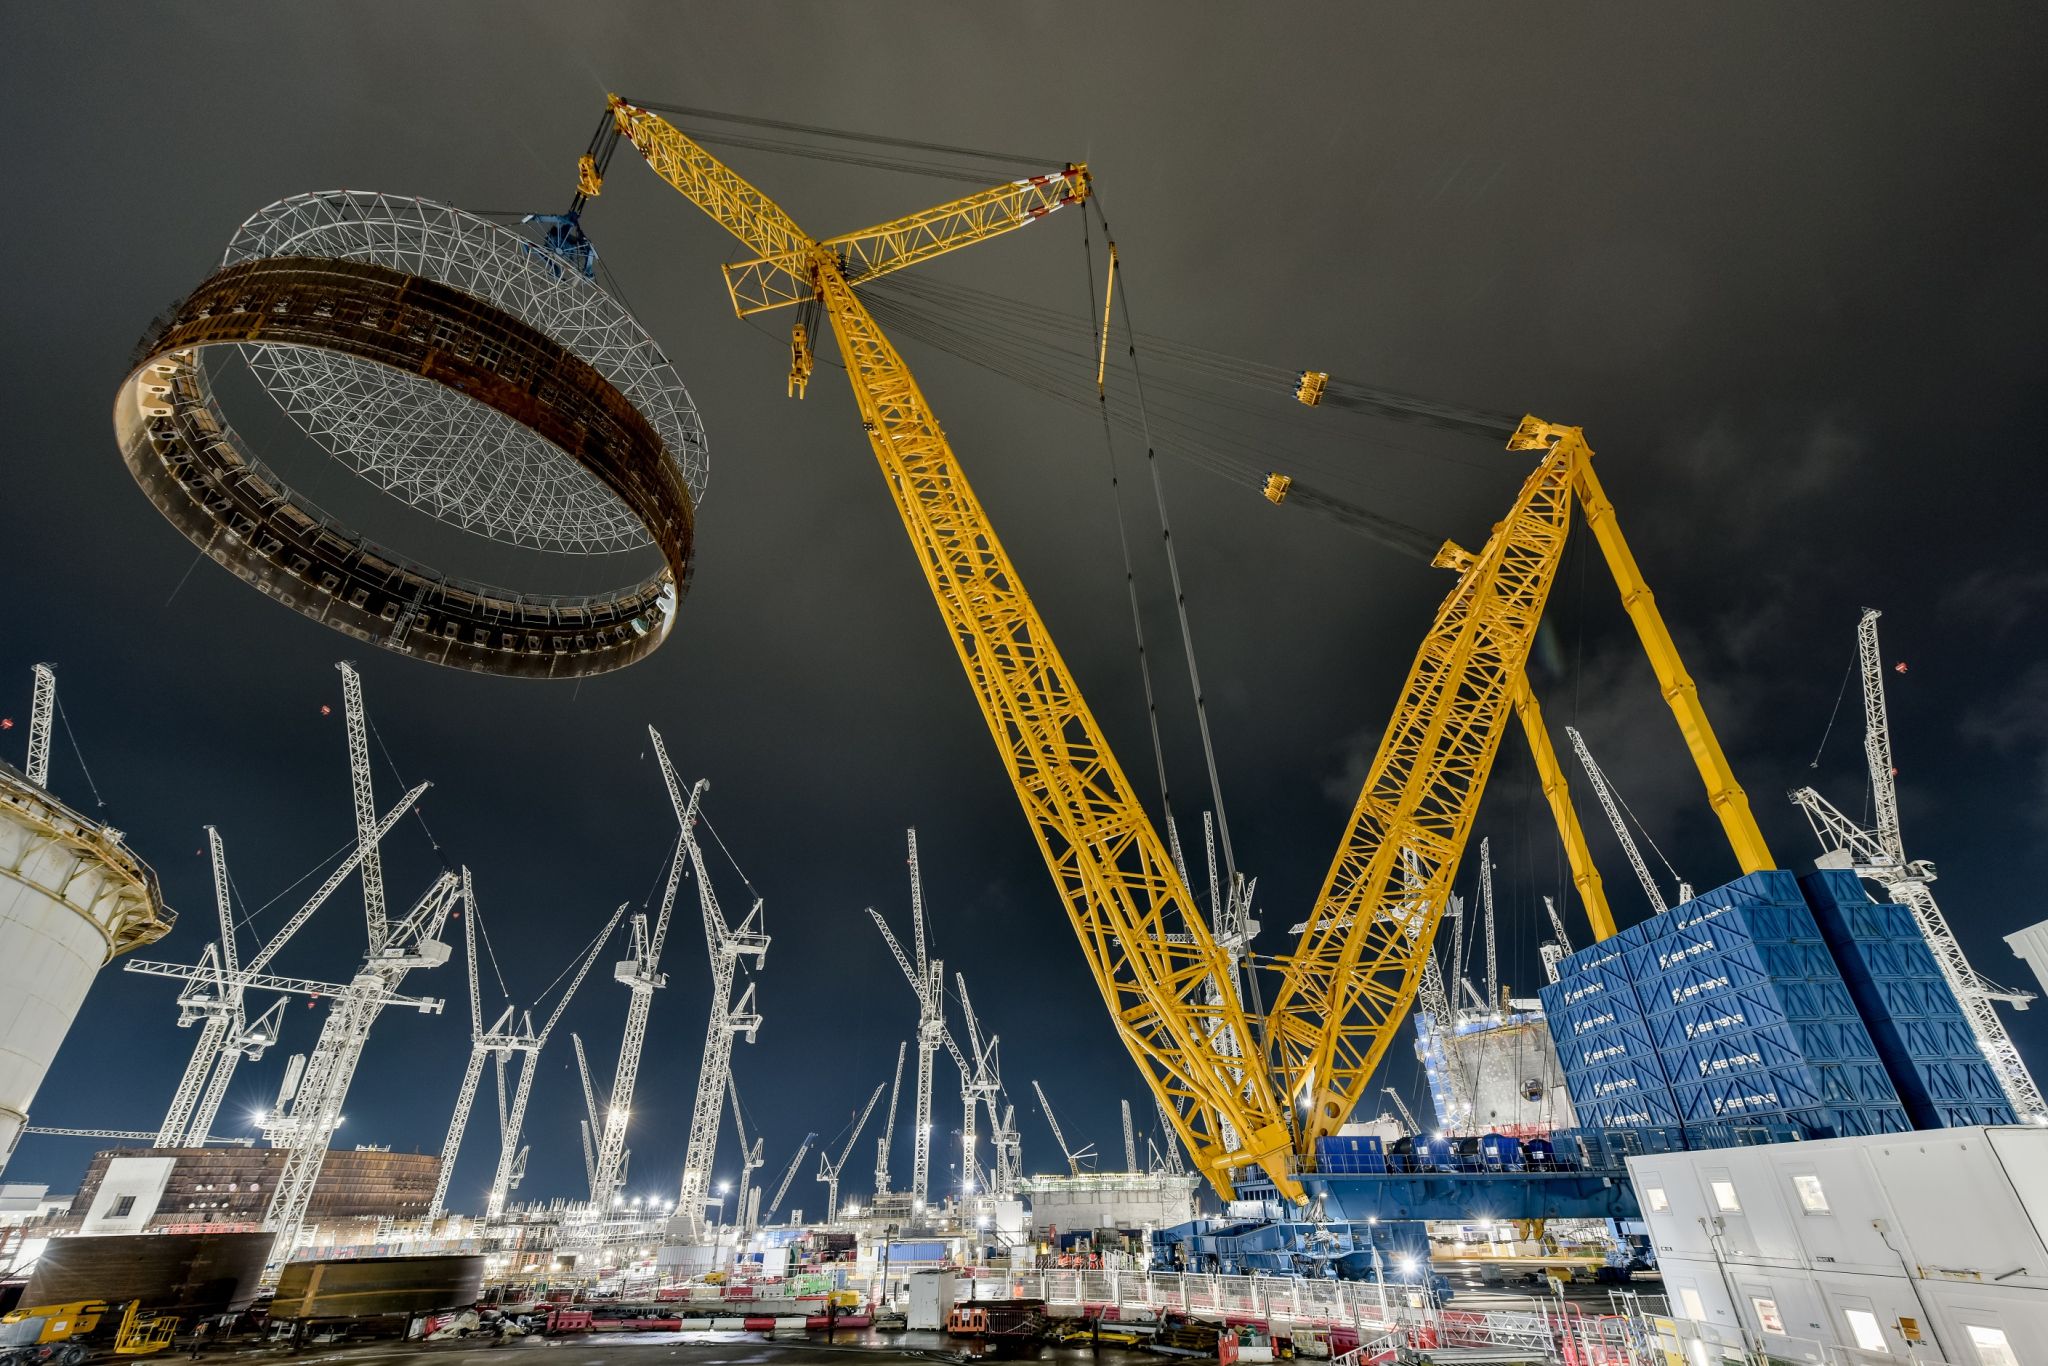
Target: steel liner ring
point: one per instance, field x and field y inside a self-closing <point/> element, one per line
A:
<point x="206" y="481"/>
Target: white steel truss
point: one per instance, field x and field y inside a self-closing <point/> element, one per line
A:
<point x="1878" y="855"/>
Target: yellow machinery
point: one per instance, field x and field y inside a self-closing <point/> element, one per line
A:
<point x="1340" y="996"/>
<point x="67" y="1334"/>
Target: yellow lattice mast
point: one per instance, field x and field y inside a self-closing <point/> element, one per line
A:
<point x="1145" y="941"/>
<point x="1343" y="992"/>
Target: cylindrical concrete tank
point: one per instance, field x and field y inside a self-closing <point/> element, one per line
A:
<point x="368" y="1287"/>
<point x="194" y="1275"/>
<point x="71" y="898"/>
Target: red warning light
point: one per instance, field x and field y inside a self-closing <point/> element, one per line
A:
<point x="1899" y="667"/>
<point x="6" y="723"/>
<point x="326" y="710"/>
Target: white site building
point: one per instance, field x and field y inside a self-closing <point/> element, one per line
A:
<point x="1924" y="1246"/>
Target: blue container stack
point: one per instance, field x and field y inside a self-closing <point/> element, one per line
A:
<point x="1602" y="1035"/>
<point x="1729" y="1009"/>
<point x="1920" y="1031"/>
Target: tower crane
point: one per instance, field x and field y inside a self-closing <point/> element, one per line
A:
<point x="1878" y="855"/>
<point x="219" y="1004"/>
<point x="215" y="989"/>
<point x="529" y="1043"/>
<point x="828" y="1170"/>
<point x="750" y="1162"/>
<point x="393" y="953"/>
<point x="641" y="975"/>
<point x="1009" y="1153"/>
<point x="1604" y="791"/>
<point x="927" y="978"/>
<point x="1486" y="917"/>
<point x="888" y="1138"/>
<point x="979" y="1087"/>
<point x="307" y="1127"/>
<point x="506" y="1036"/>
<point x="726" y="945"/>
<point x="1130" y="1139"/>
<point x="1174" y="1165"/>
<point x="590" y="1123"/>
<point x="1558" y="947"/>
<point x="42" y="714"/>
<point x="1339" y="998"/>
<point x="788" y="1175"/>
<point x="132" y="1135"/>
<point x="1075" y="1156"/>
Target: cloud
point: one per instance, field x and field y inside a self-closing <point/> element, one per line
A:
<point x="2018" y="723"/>
<point x="2001" y="597"/>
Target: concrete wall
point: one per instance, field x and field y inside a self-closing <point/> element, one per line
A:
<point x="1847" y="1242"/>
<point x="140" y="1181"/>
<point x="1109" y="1200"/>
<point x="51" y="948"/>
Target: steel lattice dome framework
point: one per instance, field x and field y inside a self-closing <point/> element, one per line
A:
<point x="431" y="447"/>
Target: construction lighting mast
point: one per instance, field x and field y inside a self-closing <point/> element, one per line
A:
<point x="1879" y="856"/>
<point x="888" y="1138"/>
<point x="642" y="976"/>
<point x="730" y="1016"/>
<point x="1342" y="994"/>
<point x="828" y="1170"/>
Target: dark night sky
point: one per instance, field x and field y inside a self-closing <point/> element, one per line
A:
<point x="1786" y="267"/>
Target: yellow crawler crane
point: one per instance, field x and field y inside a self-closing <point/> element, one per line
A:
<point x="1342" y="993"/>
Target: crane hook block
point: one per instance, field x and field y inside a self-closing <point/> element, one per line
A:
<point x="801" y="360"/>
<point x="1310" y="390"/>
<point x="588" y="181"/>
<point x="1277" y="486"/>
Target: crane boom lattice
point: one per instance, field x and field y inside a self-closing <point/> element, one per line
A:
<point x="1342" y="993"/>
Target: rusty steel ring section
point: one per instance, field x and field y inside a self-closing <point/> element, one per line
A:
<point x="204" y="478"/>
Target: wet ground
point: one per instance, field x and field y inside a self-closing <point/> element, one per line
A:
<point x="694" y="1349"/>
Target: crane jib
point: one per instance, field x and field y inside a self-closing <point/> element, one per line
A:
<point x="1344" y="991"/>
